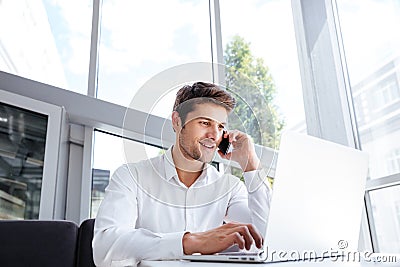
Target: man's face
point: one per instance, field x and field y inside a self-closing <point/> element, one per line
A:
<point x="202" y="132"/>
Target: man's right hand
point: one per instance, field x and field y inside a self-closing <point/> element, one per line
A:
<point x="221" y="238"/>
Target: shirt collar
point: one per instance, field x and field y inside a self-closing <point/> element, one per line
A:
<point x="170" y="170"/>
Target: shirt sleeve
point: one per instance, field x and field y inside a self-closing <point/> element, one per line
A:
<point x="116" y="241"/>
<point x="252" y="205"/>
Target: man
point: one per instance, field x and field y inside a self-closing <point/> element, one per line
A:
<point x="177" y="203"/>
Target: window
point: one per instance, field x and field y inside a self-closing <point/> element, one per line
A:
<point x="22" y="146"/>
<point x="362" y="107"/>
<point x="387" y="92"/>
<point x="393" y="161"/>
<point x="140" y="39"/>
<point x="371" y="43"/>
<point x="109" y="153"/>
<point x="260" y="57"/>
<point x="369" y="28"/>
<point x="48" y="41"/>
<point x="31" y="157"/>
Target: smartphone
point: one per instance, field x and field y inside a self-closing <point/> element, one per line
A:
<point x="224" y="145"/>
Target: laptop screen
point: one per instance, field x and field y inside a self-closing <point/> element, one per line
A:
<point x="317" y="197"/>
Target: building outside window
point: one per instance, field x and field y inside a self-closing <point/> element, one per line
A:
<point x="393" y="161"/>
<point x="387" y="92"/>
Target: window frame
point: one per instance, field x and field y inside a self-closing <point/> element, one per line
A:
<point x="51" y="194"/>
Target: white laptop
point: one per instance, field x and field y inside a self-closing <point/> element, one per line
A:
<point x="316" y="205"/>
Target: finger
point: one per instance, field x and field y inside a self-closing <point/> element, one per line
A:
<point x="244" y="232"/>
<point x="222" y="155"/>
<point x="233" y="136"/>
<point x="228" y="155"/>
<point x="249" y="231"/>
<point x="237" y="239"/>
<point x="258" y="239"/>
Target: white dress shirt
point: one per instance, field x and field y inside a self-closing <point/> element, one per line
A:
<point x="147" y="209"/>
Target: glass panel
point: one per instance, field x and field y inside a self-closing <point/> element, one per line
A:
<point x="386" y="214"/>
<point x="22" y="148"/>
<point x="261" y="47"/>
<point x="108" y="155"/>
<point x="47" y="41"/>
<point x="372" y="46"/>
<point x="140" y="39"/>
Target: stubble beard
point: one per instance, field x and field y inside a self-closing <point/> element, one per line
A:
<point x="188" y="151"/>
<point x="192" y="150"/>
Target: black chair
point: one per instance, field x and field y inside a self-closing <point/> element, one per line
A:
<point x="85" y="237"/>
<point x="38" y="243"/>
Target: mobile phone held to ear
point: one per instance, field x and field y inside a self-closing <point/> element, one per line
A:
<point x="224" y="145"/>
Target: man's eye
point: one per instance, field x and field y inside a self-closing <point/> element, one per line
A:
<point x="205" y="123"/>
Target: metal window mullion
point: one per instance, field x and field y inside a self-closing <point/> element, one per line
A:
<point x="216" y="44"/>
<point x="324" y="86"/>
<point x="307" y="78"/>
<point x="86" y="184"/>
<point x="351" y="113"/>
<point x="94" y="45"/>
<point x="212" y="35"/>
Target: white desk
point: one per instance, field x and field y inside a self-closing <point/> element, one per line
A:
<point x="325" y="263"/>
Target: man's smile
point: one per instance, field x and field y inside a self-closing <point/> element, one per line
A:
<point x="208" y="144"/>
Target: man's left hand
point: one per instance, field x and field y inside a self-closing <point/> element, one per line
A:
<point x="243" y="151"/>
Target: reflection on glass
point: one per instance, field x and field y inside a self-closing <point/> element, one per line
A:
<point x="140" y="39"/>
<point x="372" y="45"/>
<point x="108" y="155"/>
<point x="47" y="41"/>
<point x="262" y="63"/>
<point x="386" y="214"/>
<point x="22" y="145"/>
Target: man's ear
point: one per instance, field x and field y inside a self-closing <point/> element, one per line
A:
<point x="176" y="121"/>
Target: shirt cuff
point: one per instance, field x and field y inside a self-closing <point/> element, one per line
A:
<point x="171" y="245"/>
<point x="255" y="179"/>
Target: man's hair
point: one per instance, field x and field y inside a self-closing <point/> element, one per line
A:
<point x="200" y="92"/>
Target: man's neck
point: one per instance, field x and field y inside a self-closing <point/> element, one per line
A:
<point x="187" y="178"/>
<point x="188" y="170"/>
